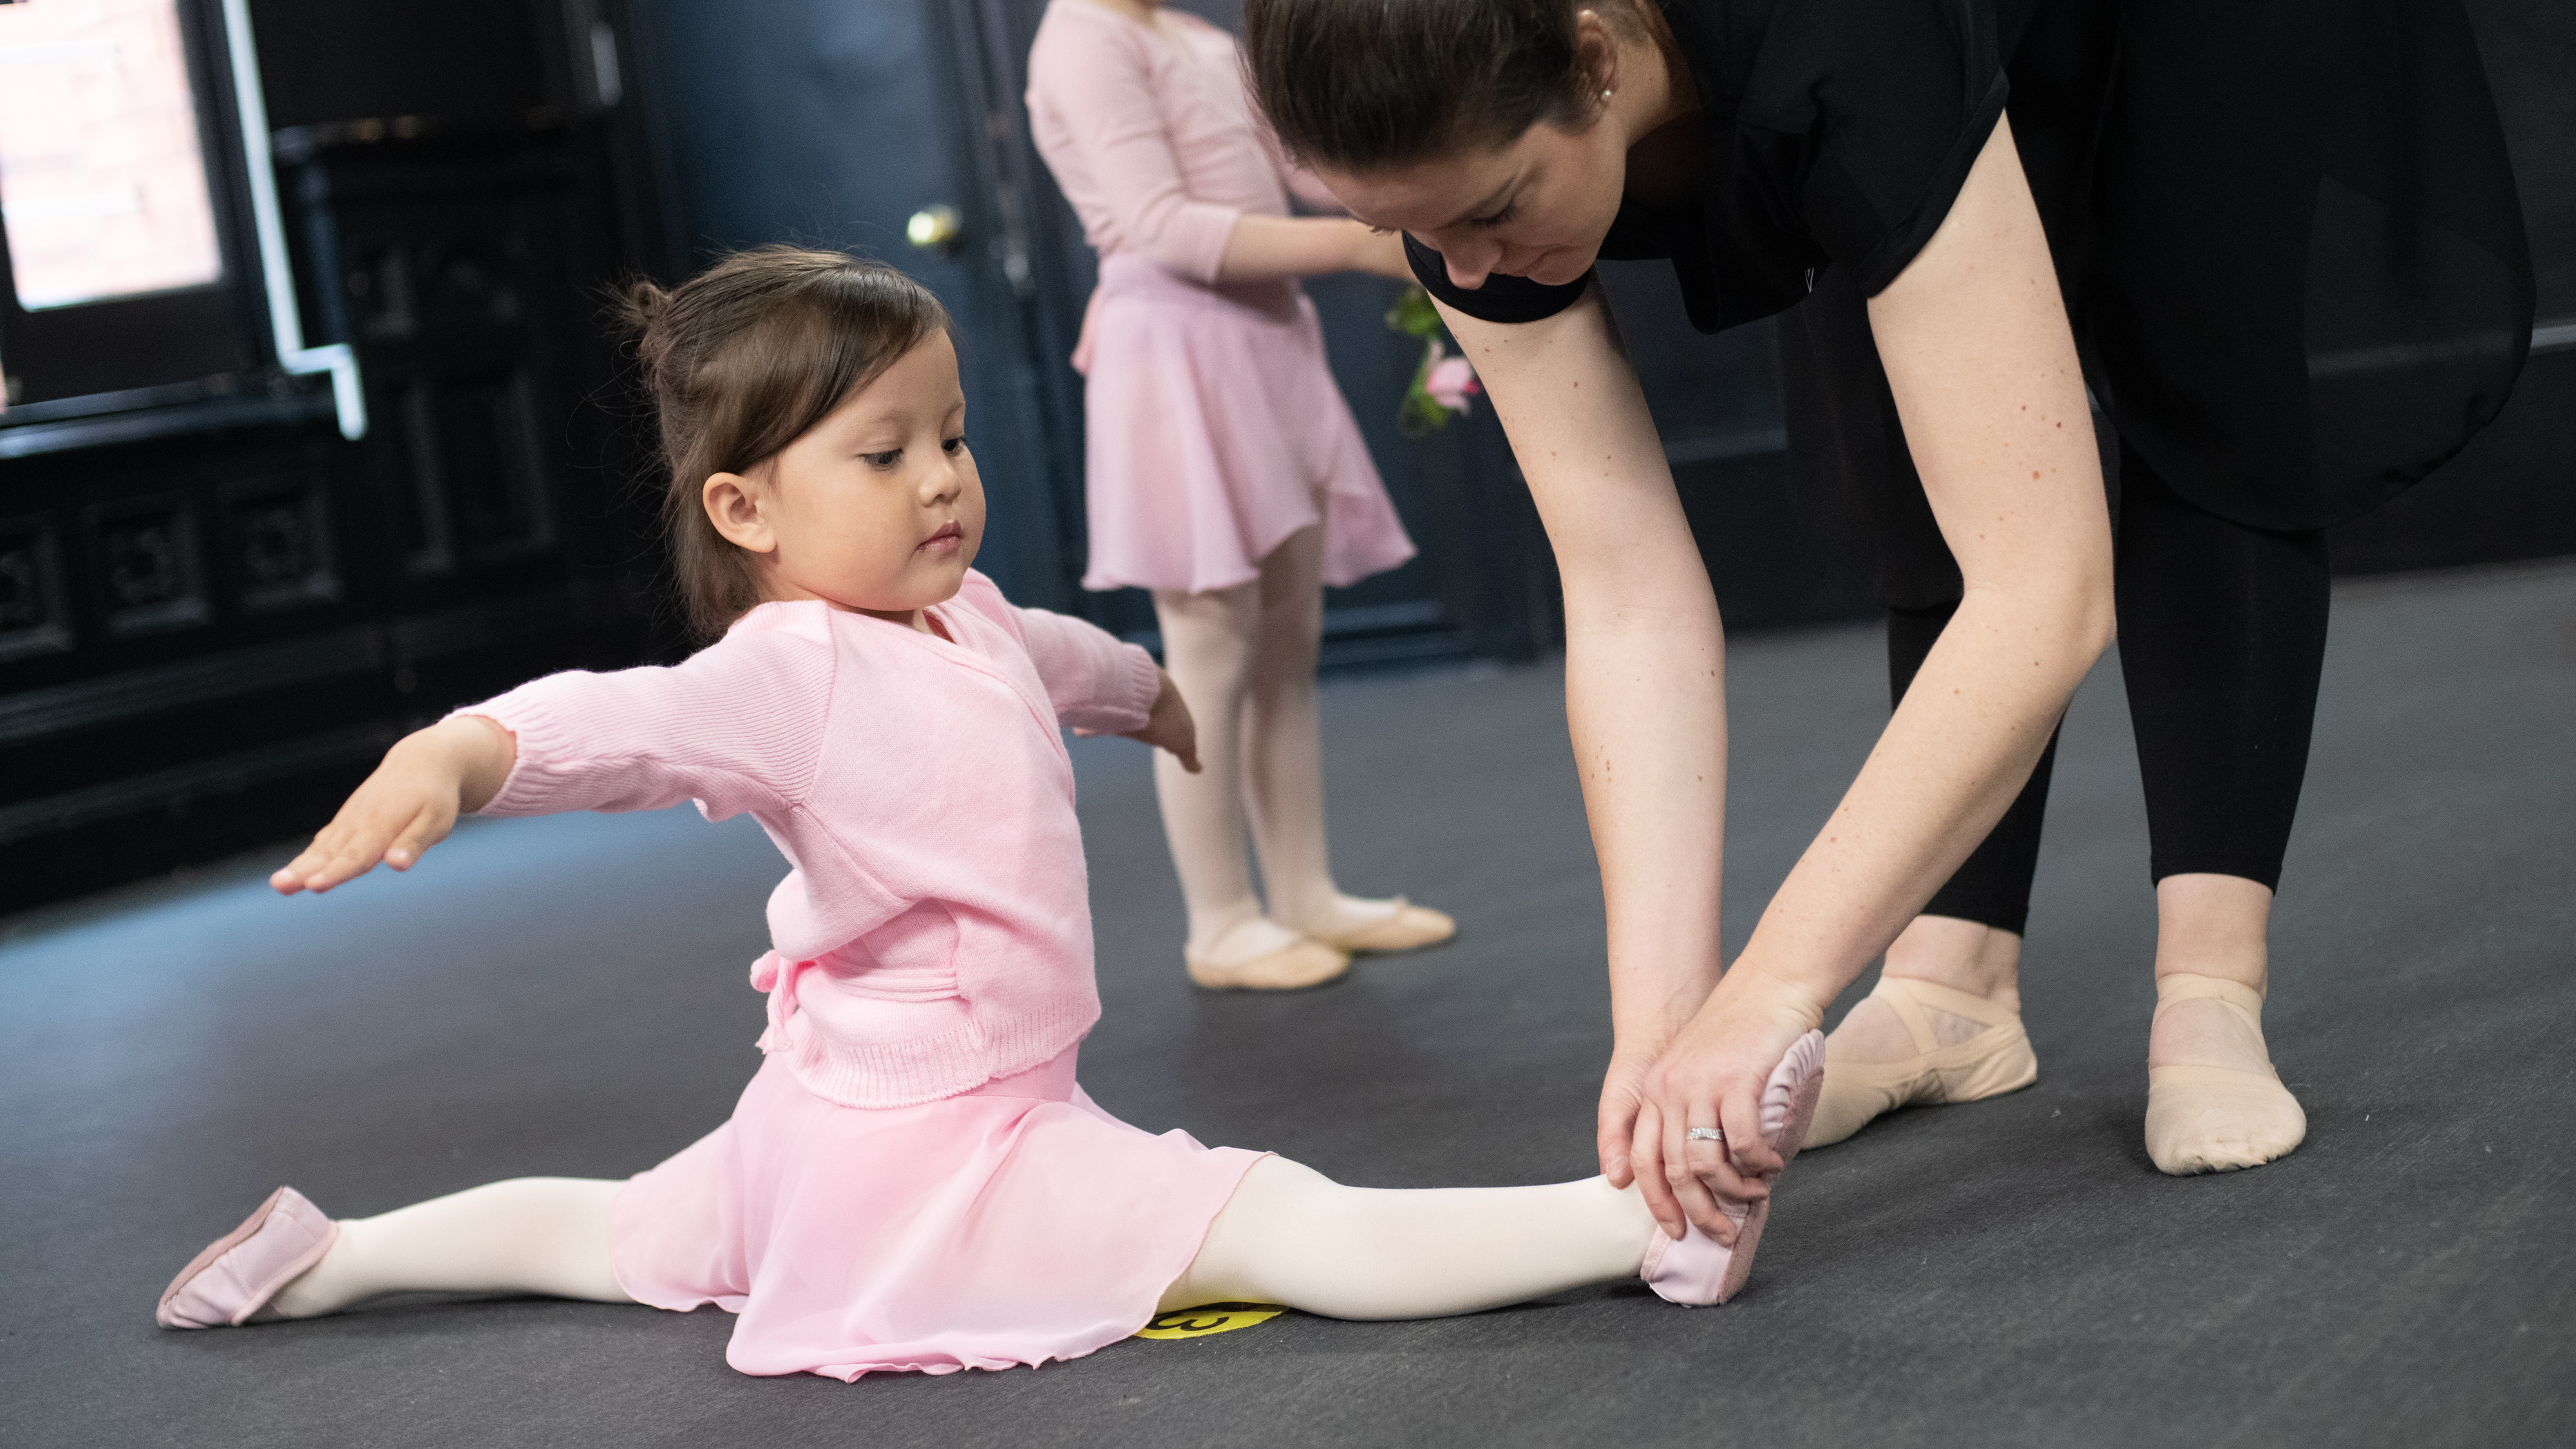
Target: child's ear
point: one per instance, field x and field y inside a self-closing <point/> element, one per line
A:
<point x="733" y="506"/>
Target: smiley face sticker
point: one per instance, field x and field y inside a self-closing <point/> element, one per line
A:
<point x="1209" y="1318"/>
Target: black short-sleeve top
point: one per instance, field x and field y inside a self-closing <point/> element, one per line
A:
<point x="1833" y="133"/>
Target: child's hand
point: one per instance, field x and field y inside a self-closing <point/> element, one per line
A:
<point x="408" y="805"/>
<point x="1170" y="727"/>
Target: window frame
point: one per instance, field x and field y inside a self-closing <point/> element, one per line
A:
<point x="208" y="336"/>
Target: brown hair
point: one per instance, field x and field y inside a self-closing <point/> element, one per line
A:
<point x="1363" y="85"/>
<point x="740" y="360"/>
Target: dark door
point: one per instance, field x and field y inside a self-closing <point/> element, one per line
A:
<point x="827" y="123"/>
<point x="834" y="123"/>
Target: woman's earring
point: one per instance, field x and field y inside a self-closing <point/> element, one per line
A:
<point x="1605" y="98"/>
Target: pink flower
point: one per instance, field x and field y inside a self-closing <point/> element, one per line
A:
<point x="1451" y="382"/>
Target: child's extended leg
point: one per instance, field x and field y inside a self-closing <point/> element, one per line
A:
<point x="544" y="1235"/>
<point x="528" y="1235"/>
<point x="1292" y="1235"/>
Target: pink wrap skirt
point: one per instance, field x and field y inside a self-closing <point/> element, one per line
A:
<point x="1215" y="432"/>
<point x="1011" y="1225"/>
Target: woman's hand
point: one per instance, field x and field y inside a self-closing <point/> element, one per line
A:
<point x="408" y="805"/>
<point x="1170" y="727"/>
<point x="1712" y="1075"/>
<point x="1623" y="1092"/>
<point x="1645" y="690"/>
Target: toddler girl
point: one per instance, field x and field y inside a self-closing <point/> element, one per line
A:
<point x="1223" y="471"/>
<point x="913" y="1180"/>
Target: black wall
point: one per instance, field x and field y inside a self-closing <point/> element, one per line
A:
<point x="215" y="614"/>
<point x="2512" y="493"/>
<point x="833" y="123"/>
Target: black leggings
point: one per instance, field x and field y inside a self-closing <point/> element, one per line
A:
<point x="2222" y="637"/>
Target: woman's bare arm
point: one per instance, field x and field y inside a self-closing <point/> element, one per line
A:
<point x="1975" y="342"/>
<point x="1645" y="658"/>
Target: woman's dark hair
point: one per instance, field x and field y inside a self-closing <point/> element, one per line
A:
<point x="1362" y="85"/>
<point x="740" y="360"/>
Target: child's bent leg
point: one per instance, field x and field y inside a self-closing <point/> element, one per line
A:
<point x="1208" y="643"/>
<point x="1283" y="755"/>
<point x="1283" y="769"/>
<point x="1207" y="649"/>
<point x="527" y="1235"/>
<point x="1291" y="1235"/>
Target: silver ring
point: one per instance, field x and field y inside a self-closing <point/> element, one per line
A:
<point x="1704" y="1134"/>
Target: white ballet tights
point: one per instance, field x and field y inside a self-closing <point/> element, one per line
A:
<point x="1294" y="1236"/>
<point x="1289" y="1235"/>
<point x="527" y="1235"/>
<point x="1244" y="658"/>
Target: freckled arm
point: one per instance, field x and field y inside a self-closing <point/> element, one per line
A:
<point x="1976" y="346"/>
<point x="1978" y="353"/>
<point x="1645" y="655"/>
<point x="1974" y="338"/>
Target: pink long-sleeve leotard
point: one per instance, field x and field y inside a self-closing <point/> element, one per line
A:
<point x="935" y="931"/>
<point x="913" y="1180"/>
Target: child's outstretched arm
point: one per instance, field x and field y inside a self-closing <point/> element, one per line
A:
<point x="1102" y="687"/>
<point x="408" y="805"/>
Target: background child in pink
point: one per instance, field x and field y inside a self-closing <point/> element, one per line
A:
<point x="1224" y="470"/>
<point x="913" y="1180"/>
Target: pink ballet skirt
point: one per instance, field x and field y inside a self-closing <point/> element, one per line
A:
<point x="1214" y="428"/>
<point x="1011" y="1225"/>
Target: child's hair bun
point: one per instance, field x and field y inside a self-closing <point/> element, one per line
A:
<point x="641" y="308"/>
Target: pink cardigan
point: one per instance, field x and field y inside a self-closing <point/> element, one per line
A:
<point x="1150" y="135"/>
<point x="935" y="930"/>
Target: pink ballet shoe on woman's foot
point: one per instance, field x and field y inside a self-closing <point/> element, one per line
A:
<point x="2205" y="1116"/>
<point x="1694" y="1269"/>
<point x="230" y="1283"/>
<point x="1996" y="1060"/>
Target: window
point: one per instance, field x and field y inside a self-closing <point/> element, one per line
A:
<point x="102" y="172"/>
<point x="128" y="265"/>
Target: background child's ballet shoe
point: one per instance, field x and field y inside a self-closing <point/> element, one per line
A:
<point x="1408" y="928"/>
<point x="1301" y="963"/>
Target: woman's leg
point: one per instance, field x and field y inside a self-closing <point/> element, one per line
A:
<point x="1209" y="641"/>
<point x="1857" y="486"/>
<point x="1968" y="940"/>
<point x="1291" y="1235"/>
<point x="544" y="1235"/>
<point x="2222" y="641"/>
<point x="1969" y="935"/>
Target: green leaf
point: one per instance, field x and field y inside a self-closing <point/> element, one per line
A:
<point x="1413" y="314"/>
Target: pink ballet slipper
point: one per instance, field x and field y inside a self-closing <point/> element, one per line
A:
<point x="230" y="1283"/>
<point x="1695" y="1269"/>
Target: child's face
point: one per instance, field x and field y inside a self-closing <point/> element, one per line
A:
<point x="877" y="508"/>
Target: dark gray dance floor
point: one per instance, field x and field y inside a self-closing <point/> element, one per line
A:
<point x="566" y="996"/>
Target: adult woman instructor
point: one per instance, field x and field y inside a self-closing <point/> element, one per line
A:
<point x="1860" y="150"/>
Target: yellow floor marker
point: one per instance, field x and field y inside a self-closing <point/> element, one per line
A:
<point x="1209" y="1318"/>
